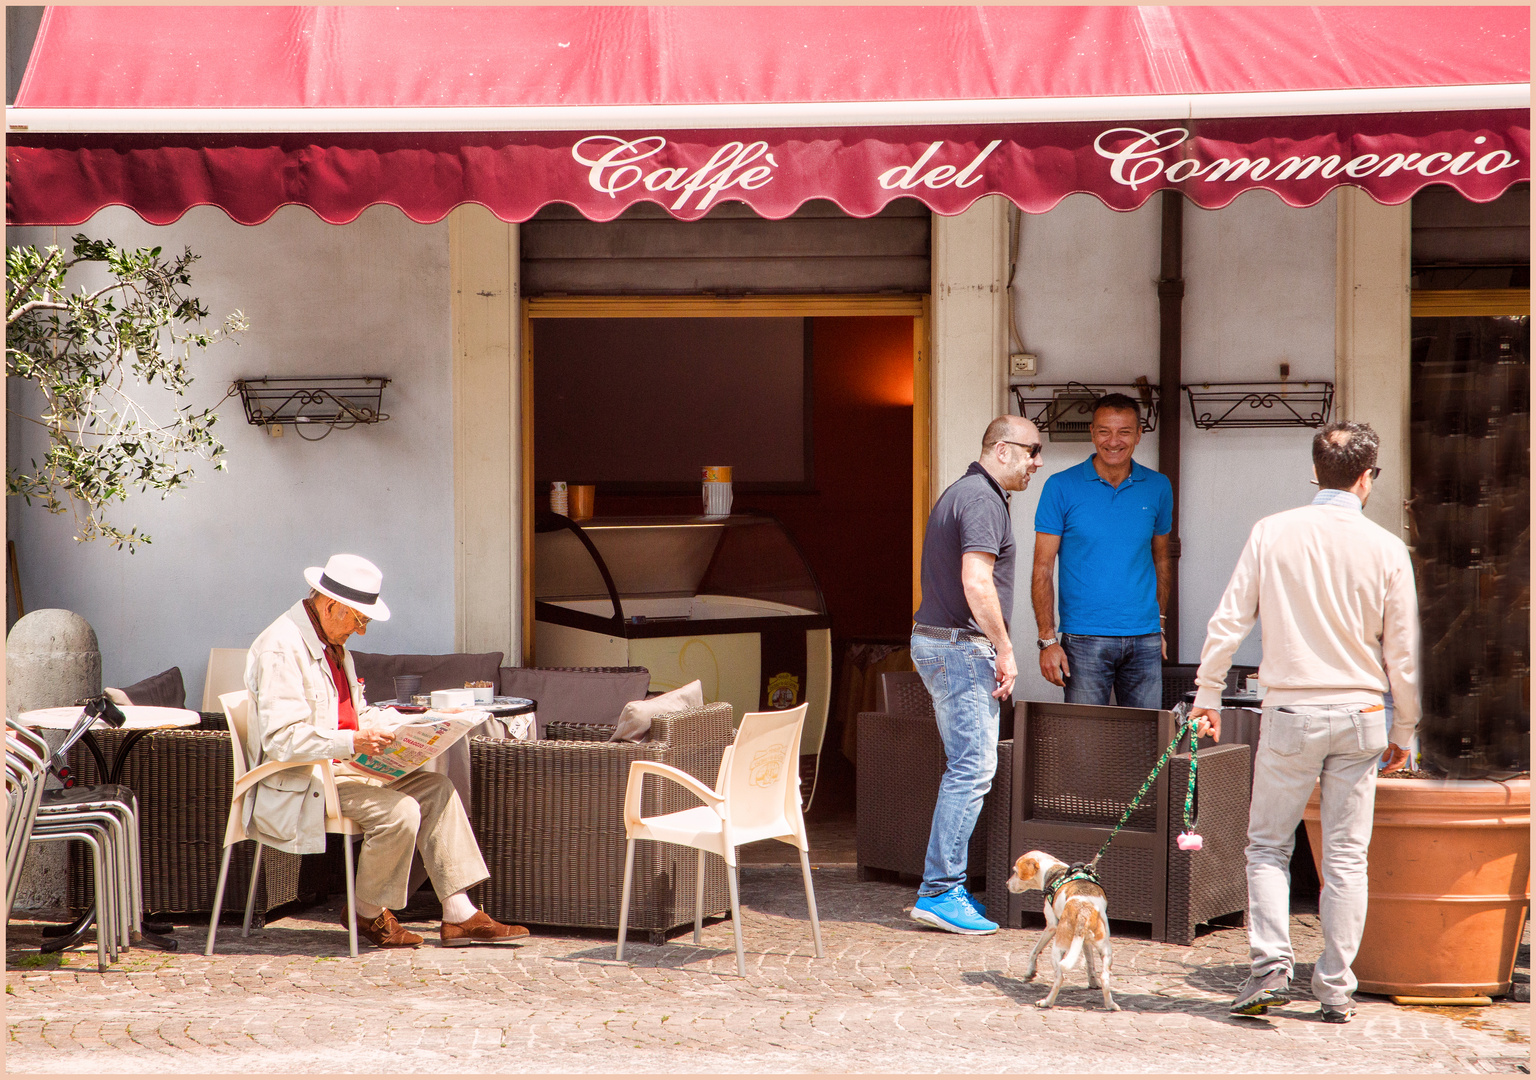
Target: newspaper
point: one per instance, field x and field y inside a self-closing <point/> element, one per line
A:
<point x="418" y="739"/>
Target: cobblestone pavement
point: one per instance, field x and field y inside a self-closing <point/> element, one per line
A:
<point x="890" y="996"/>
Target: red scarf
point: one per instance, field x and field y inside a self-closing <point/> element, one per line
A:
<point x="346" y="712"/>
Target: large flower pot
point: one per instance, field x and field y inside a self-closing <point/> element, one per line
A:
<point x="1450" y="886"/>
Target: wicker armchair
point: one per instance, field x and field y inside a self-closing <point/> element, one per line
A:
<point x="550" y="822"/>
<point x="183" y="780"/>
<point x="1077" y="767"/>
<point x="900" y="765"/>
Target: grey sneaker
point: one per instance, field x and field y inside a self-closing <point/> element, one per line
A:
<point x="1262" y="991"/>
<point x="1338" y="1014"/>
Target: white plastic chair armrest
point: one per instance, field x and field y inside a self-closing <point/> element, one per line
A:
<point x="636" y="785"/>
<point x="269" y="768"/>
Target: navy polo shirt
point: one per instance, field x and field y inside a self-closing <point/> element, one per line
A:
<point x="971" y="515"/>
<point x="1107" y="581"/>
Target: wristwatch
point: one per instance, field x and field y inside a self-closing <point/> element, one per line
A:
<point x="1045" y="643"/>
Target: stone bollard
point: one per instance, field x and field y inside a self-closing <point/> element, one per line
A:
<point x="51" y="659"/>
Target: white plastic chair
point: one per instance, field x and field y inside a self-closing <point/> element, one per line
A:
<point x="237" y="707"/>
<point x="756" y="797"/>
<point x="226" y="675"/>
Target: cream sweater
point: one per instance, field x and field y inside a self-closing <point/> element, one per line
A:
<point x="1341" y="618"/>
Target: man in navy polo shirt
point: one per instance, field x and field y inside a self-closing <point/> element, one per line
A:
<point x="962" y="649"/>
<point x="1107" y="520"/>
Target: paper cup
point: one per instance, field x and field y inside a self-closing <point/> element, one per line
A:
<point x="717" y="498"/>
<point x="559" y="497"/>
<point x="719" y="474"/>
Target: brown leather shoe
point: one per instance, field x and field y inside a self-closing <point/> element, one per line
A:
<point x="385" y="932"/>
<point x="480" y="929"/>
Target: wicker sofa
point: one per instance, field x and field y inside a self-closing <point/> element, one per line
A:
<point x="549" y="818"/>
<point x="1077" y="767"/>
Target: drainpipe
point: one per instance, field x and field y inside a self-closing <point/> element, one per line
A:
<point x="1170" y="355"/>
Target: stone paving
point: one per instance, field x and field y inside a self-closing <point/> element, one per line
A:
<point x="890" y="996"/>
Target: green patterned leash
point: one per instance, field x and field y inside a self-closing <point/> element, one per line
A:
<point x="1189" y="840"/>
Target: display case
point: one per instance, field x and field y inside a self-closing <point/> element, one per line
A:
<point x="729" y="601"/>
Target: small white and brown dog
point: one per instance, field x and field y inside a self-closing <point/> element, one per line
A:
<point x="1076" y="923"/>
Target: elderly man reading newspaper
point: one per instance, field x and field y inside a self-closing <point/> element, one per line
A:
<point x="306" y="703"/>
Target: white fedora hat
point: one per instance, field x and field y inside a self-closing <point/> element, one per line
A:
<point x="354" y="581"/>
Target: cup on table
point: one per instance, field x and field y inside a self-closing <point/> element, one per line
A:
<point x="559" y="497"/>
<point x="717" y="490"/>
<point x="407" y="686"/>
<point x="581" y="499"/>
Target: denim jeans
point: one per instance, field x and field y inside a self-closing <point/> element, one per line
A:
<point x="1130" y="666"/>
<point x="960" y="677"/>
<point x="1297" y="746"/>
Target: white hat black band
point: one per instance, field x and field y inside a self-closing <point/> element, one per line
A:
<point x="347" y="593"/>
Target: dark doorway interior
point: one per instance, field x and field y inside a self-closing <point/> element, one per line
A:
<point x="854" y="525"/>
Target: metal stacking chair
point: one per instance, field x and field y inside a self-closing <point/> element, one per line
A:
<point x="105" y="819"/>
<point x="237" y="708"/>
<point x="26" y="766"/>
<point x="756" y="797"/>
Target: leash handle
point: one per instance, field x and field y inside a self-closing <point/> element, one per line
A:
<point x="1181" y="724"/>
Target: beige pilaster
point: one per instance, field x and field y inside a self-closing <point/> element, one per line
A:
<point x="969" y="334"/>
<point x="1373" y="339"/>
<point x="487" y="433"/>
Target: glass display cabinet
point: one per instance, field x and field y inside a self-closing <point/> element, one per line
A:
<point x="729" y="601"/>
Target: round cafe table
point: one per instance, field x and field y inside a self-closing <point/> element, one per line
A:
<point x="141" y="720"/>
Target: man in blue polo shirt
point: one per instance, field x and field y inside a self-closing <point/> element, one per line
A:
<point x="1107" y="520"/>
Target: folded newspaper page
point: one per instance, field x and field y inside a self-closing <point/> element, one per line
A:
<point x="418" y="739"/>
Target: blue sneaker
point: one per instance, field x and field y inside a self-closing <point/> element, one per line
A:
<point x="955" y="911"/>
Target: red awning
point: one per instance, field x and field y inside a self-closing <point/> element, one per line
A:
<point x="424" y="108"/>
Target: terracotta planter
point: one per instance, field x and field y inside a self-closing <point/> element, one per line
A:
<point x="1450" y="886"/>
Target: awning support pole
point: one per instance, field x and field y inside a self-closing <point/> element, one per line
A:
<point x="1170" y="350"/>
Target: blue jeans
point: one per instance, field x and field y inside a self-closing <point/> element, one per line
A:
<point x="1130" y="666"/>
<point x="960" y="677"/>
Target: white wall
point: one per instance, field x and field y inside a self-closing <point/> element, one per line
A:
<point x="229" y="551"/>
<point x="1259" y="289"/>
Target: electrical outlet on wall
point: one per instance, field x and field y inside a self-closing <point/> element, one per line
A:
<point x="275" y="430"/>
<point x="1023" y="363"/>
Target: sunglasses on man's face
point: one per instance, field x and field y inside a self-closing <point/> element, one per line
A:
<point x="1031" y="449"/>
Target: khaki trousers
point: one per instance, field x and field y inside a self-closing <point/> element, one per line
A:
<point x="420" y="812"/>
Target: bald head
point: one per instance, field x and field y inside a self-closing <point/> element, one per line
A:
<point x="1008" y="429"/>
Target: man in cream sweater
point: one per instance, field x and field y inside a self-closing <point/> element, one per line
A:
<point x="1341" y="629"/>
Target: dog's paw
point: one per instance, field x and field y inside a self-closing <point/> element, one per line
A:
<point x="1028" y="975"/>
<point x="1113" y="1007"/>
<point x="1043" y="1004"/>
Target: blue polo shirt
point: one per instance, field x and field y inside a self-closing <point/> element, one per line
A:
<point x="1107" y="581"/>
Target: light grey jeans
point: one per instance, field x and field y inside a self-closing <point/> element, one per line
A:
<point x="1298" y="745"/>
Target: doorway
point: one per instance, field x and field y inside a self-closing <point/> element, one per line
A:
<point x="856" y="515"/>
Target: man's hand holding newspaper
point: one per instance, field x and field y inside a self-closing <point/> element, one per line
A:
<point x="409" y="741"/>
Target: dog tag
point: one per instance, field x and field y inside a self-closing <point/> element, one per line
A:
<point x="1189" y="841"/>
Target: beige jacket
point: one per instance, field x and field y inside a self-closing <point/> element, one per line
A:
<point x="294" y="716"/>
<point x="1341" y="618"/>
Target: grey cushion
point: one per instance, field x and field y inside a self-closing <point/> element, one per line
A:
<point x="165" y="690"/>
<point x="438" y="672"/>
<point x="635" y="720"/>
<point x="576" y="697"/>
